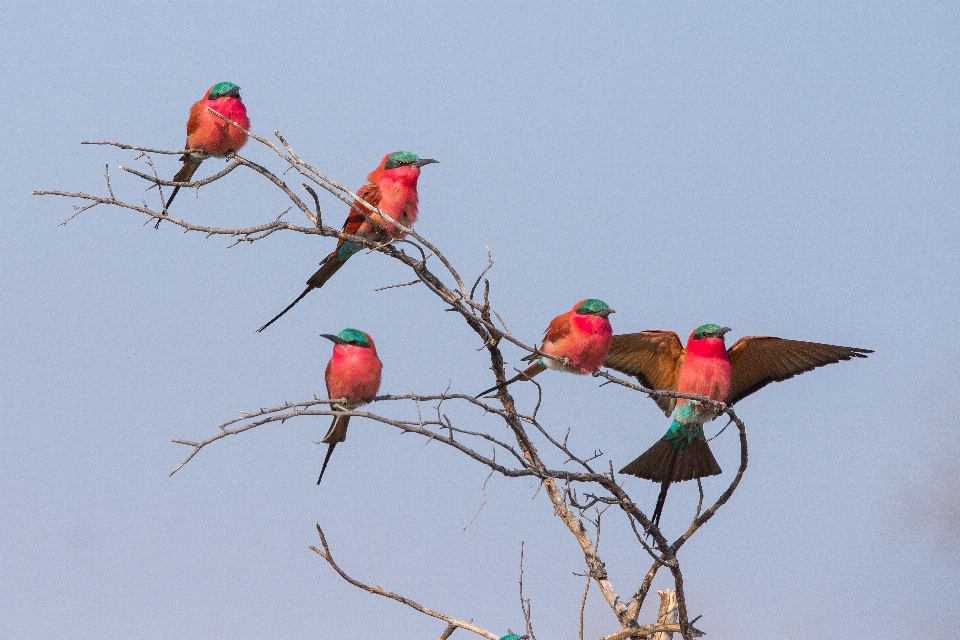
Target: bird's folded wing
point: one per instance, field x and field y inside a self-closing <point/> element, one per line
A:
<point x="358" y="212"/>
<point x="756" y="361"/>
<point x="653" y="357"/>
<point x="197" y="110"/>
<point x="556" y="332"/>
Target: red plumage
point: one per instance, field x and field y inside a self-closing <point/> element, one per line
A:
<point x="394" y="192"/>
<point x="584" y="339"/>
<point x="353" y="372"/>
<point x="208" y="135"/>
<point x="581" y="335"/>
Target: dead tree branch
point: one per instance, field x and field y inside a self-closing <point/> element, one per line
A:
<point x="524" y="456"/>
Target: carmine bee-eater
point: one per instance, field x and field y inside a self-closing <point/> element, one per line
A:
<point x="392" y="188"/>
<point x="705" y="368"/>
<point x="352" y="373"/>
<point x="208" y="135"/>
<point x="581" y="335"/>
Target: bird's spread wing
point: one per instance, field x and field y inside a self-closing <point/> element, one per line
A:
<point x="653" y="357"/>
<point x="756" y="361"/>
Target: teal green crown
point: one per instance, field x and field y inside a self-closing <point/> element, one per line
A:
<point x="705" y="330"/>
<point x="400" y="158"/>
<point x="355" y="337"/>
<point x="221" y="89"/>
<point x="592" y="306"/>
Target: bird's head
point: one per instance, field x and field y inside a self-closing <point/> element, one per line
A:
<point x="400" y="164"/>
<point x="399" y="159"/>
<point x="353" y="337"/>
<point x="593" y="307"/>
<point x="222" y="90"/>
<point x="705" y="331"/>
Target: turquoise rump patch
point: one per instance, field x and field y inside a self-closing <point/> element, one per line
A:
<point x="346" y="250"/>
<point x="687" y="425"/>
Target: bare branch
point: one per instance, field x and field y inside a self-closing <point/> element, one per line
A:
<point x="143" y="149"/>
<point x="316" y="220"/>
<point x="482" y="273"/>
<point x="583" y="605"/>
<point x="169" y="183"/>
<point x="397" y="286"/>
<point x="525" y="606"/>
<point x="484" y="503"/>
<point x="447" y="632"/>
<point x="460" y="624"/>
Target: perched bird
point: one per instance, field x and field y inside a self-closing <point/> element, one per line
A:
<point x="705" y="368"/>
<point x="352" y="373"/>
<point x="208" y="135"/>
<point x="392" y="188"/>
<point x="581" y="335"/>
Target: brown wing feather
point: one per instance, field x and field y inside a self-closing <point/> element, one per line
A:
<point x="653" y="357"/>
<point x="368" y="192"/>
<point x="193" y="122"/>
<point x="756" y="361"/>
<point x="558" y="329"/>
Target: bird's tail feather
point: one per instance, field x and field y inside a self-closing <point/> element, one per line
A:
<point x="328" y="267"/>
<point x="330" y="449"/>
<point x="338" y="430"/>
<point x="335" y="434"/>
<point x="288" y="307"/>
<point x="664" y="464"/>
<point x="661" y="462"/>
<point x="184" y="175"/>
<point x="664" y="486"/>
<point x="526" y="374"/>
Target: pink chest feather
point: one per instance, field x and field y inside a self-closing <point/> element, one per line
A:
<point x="398" y="198"/>
<point x="216" y="136"/>
<point x="353" y="373"/>
<point x="704" y="376"/>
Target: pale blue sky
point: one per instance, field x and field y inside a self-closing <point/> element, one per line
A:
<point x="790" y="171"/>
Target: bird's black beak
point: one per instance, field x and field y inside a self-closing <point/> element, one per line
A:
<point x="233" y="93"/>
<point x="333" y="339"/>
<point x="603" y="313"/>
<point x="424" y="161"/>
<point x="723" y="332"/>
